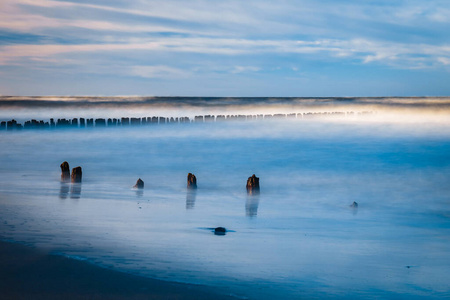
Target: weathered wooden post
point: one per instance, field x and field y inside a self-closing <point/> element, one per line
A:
<point x="253" y="185"/>
<point x="139" y="184"/>
<point x="76" y="175"/>
<point x="191" y="181"/>
<point x="65" y="171"/>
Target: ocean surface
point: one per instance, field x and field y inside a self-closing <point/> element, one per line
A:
<point x="299" y="238"/>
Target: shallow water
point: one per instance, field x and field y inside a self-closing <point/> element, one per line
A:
<point x="298" y="238"/>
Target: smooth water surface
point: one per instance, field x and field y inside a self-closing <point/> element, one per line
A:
<point x="298" y="238"/>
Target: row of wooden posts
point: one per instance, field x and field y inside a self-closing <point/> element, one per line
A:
<point x="66" y="176"/>
<point x="252" y="182"/>
<point x="101" y="122"/>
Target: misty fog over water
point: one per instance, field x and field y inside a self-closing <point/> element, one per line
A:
<point x="300" y="237"/>
<point x="25" y="108"/>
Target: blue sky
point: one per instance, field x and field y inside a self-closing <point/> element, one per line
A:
<point x="225" y="48"/>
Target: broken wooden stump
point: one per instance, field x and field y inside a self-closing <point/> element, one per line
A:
<point x="139" y="184"/>
<point x="65" y="171"/>
<point x="253" y="185"/>
<point x="76" y="174"/>
<point x="191" y="181"/>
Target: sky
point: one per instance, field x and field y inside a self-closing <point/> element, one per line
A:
<point x="284" y="48"/>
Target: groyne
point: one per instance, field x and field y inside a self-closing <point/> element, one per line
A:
<point x="130" y="121"/>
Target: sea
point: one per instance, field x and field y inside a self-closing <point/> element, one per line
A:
<point x="354" y="199"/>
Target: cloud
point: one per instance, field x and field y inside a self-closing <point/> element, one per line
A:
<point x="444" y="60"/>
<point x="389" y="53"/>
<point x="160" y="72"/>
<point x="324" y="19"/>
<point x="211" y="39"/>
<point x="441" y="16"/>
<point x="13" y="18"/>
<point x="244" y="69"/>
<point x="198" y="17"/>
<point x="32" y="23"/>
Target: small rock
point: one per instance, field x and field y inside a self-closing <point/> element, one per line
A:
<point x="220" y="231"/>
<point x="253" y="184"/>
<point x="76" y="174"/>
<point x="139" y="184"/>
<point x="65" y="171"/>
<point x="354" y="205"/>
<point x="191" y="181"/>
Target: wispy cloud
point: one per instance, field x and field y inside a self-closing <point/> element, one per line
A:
<point x="236" y="18"/>
<point x="161" y="72"/>
<point x="171" y="39"/>
<point x="444" y="60"/>
<point x="16" y="19"/>
<point x="198" y="17"/>
<point x="363" y="50"/>
<point x="244" y="69"/>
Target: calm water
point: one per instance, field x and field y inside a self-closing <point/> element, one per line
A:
<point x="298" y="238"/>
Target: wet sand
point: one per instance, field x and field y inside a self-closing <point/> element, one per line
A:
<point x="28" y="273"/>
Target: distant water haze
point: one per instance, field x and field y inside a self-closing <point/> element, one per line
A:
<point x="434" y="109"/>
<point x="299" y="238"/>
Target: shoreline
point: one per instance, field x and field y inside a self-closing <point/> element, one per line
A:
<point x="30" y="273"/>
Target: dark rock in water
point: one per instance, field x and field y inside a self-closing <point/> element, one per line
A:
<point x="139" y="184"/>
<point x="76" y="174"/>
<point x="65" y="171"/>
<point x="253" y="185"/>
<point x="191" y="181"/>
<point x="220" y="231"/>
<point x="354" y="205"/>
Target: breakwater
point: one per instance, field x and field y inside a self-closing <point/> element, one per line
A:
<point x="127" y="121"/>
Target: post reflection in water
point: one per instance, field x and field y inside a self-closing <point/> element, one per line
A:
<point x="354" y="208"/>
<point x="64" y="190"/>
<point x="139" y="193"/>
<point x="75" y="191"/>
<point x="191" y="194"/>
<point x="251" y="205"/>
